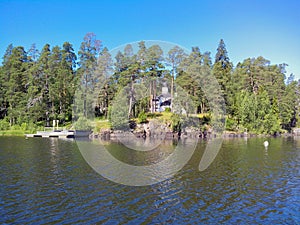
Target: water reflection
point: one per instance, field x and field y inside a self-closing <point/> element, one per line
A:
<point x="48" y="181"/>
<point x="120" y="171"/>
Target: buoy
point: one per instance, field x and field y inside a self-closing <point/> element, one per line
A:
<point x="266" y="144"/>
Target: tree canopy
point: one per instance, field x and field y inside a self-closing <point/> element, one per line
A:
<point x="38" y="86"/>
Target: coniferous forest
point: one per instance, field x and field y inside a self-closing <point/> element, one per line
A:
<point x="38" y="85"/>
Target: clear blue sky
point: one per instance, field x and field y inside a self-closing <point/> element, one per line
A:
<point x="268" y="28"/>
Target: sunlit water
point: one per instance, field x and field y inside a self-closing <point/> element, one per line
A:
<point x="48" y="181"/>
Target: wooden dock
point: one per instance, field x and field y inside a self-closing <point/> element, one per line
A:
<point x="60" y="134"/>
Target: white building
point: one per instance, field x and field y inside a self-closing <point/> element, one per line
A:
<point x="163" y="101"/>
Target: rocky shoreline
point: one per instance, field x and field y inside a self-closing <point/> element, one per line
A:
<point x="156" y="130"/>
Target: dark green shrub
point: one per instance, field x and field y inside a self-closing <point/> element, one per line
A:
<point x="4" y="125"/>
<point x="142" y="118"/>
<point x="231" y="124"/>
<point x="82" y="124"/>
<point x="176" y="123"/>
<point x="168" y="109"/>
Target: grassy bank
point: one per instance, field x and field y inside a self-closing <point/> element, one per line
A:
<point x="25" y="128"/>
<point x="167" y="118"/>
<point x="14" y="132"/>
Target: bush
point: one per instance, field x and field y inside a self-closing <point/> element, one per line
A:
<point x="15" y="127"/>
<point x="82" y="124"/>
<point x="153" y="115"/>
<point x="142" y="118"/>
<point x="176" y="123"/>
<point x="4" y="125"/>
<point x="102" y="125"/>
<point x="24" y="126"/>
<point x="167" y="109"/>
<point x="231" y="124"/>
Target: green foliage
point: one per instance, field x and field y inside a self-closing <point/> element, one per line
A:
<point x="256" y="113"/>
<point x="154" y="115"/>
<point x="102" y="125"/>
<point x="17" y="129"/>
<point x="191" y="68"/>
<point x="12" y="133"/>
<point x="38" y="87"/>
<point x="176" y="123"/>
<point x="119" y="112"/>
<point x="4" y="124"/>
<point x="288" y="106"/>
<point x="142" y="105"/>
<point x="82" y="124"/>
<point x="231" y="124"/>
<point x="168" y="110"/>
<point x="222" y="69"/>
<point x="142" y="118"/>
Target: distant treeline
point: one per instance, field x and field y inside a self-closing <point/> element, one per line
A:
<point x="39" y="86"/>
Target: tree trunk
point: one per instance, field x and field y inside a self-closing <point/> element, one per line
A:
<point x="172" y="90"/>
<point x="151" y="97"/>
<point x="131" y="99"/>
<point x="106" y="102"/>
<point x="154" y="95"/>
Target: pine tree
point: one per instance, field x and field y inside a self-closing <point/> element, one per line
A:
<point x="16" y="70"/>
<point x="105" y="70"/>
<point x="288" y="106"/>
<point x="222" y="70"/>
<point x="88" y="53"/>
<point x="175" y="57"/>
<point x="190" y="69"/>
<point x="44" y="79"/>
<point x="35" y="103"/>
<point x="69" y="81"/>
<point x="154" y="68"/>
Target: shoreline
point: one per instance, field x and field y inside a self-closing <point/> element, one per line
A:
<point x="112" y="134"/>
<point x="10" y="133"/>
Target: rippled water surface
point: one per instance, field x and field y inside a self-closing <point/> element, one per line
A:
<point x="48" y="181"/>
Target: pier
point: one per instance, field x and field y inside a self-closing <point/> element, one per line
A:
<point x="60" y="134"/>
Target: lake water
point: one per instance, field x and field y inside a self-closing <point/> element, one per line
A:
<point x="46" y="181"/>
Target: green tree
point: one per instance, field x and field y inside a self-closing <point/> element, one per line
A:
<point x="288" y="106"/>
<point x="4" y="78"/>
<point x="68" y="81"/>
<point x="55" y="81"/>
<point x="154" y="69"/>
<point x="104" y="69"/>
<point x="88" y="54"/>
<point x="191" y="69"/>
<point x="174" y="58"/>
<point x="36" y="103"/>
<point x="44" y="79"/>
<point x="222" y="70"/>
<point x="33" y="53"/>
<point x="16" y="70"/>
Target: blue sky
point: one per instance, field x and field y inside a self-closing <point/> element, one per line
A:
<point x="254" y="28"/>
